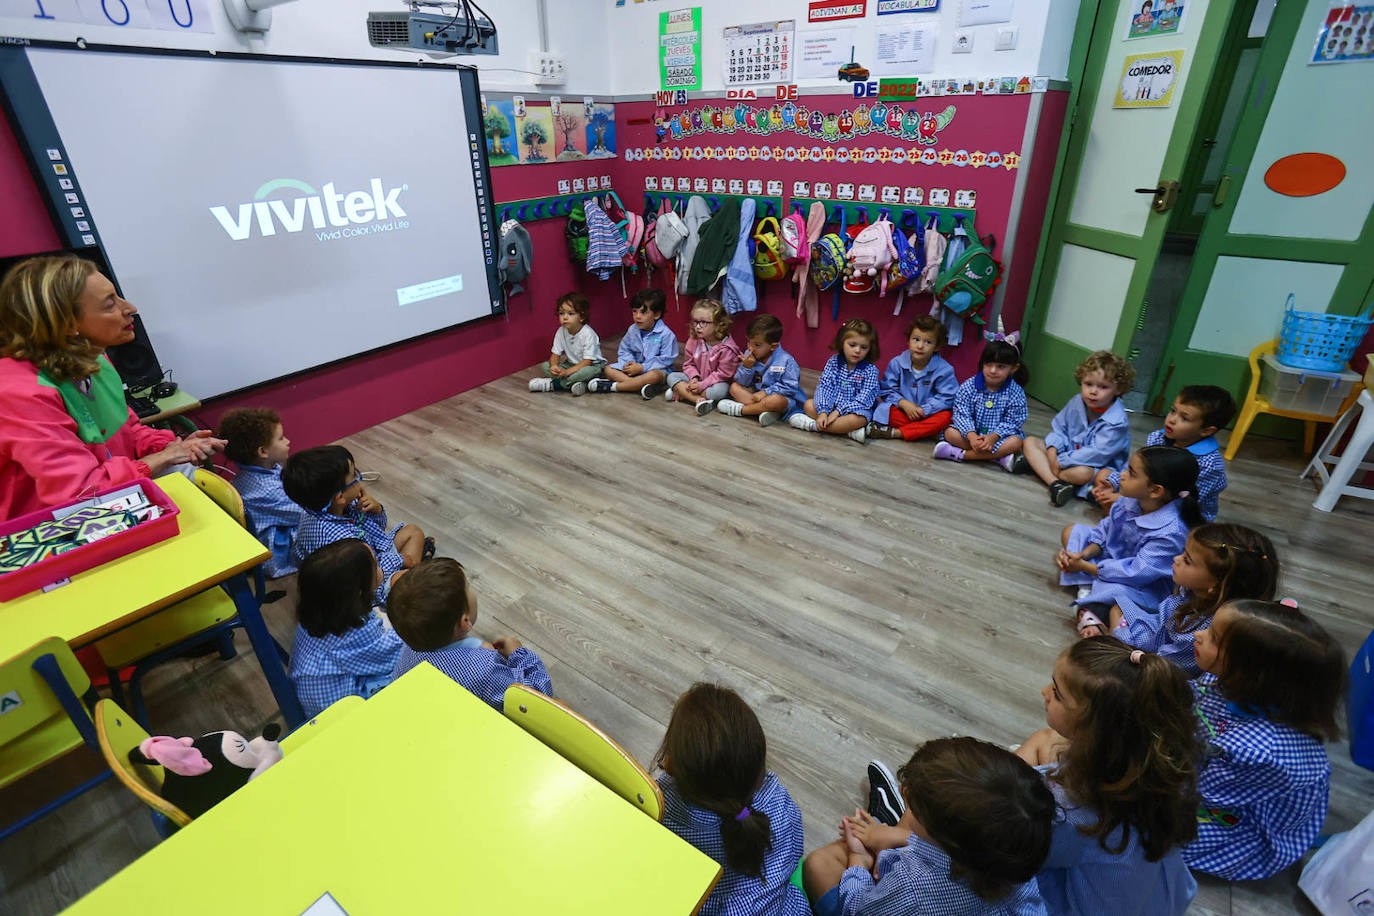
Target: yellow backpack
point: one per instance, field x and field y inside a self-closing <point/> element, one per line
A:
<point x="769" y="263"/>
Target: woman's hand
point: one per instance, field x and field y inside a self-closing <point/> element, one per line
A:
<point x="178" y="451"/>
<point x="202" y="444"/>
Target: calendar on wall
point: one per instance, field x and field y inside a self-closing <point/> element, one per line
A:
<point x="760" y="52"/>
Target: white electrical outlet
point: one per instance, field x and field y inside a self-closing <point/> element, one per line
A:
<point x="549" y="69"/>
<point x="963" y="42"/>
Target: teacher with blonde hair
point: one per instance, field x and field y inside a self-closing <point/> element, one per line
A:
<point x="65" y="429"/>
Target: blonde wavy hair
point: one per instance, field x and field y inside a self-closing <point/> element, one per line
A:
<point x="39" y="300"/>
<point x="722" y="319"/>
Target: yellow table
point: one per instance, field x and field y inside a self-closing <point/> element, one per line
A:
<point x="209" y="548"/>
<point x="422" y="800"/>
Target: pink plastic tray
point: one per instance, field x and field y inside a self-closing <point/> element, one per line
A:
<point x="88" y="556"/>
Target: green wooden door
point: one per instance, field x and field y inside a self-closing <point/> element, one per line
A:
<point x="1102" y="237"/>
<point x="1257" y="245"/>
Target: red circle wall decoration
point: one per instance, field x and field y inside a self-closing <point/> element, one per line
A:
<point x="1305" y="174"/>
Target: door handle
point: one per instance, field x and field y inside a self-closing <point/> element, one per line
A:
<point x="1165" y="196"/>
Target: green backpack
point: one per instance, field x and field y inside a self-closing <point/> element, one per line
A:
<point x="575" y="232"/>
<point x="966" y="284"/>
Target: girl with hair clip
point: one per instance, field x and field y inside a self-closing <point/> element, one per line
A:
<point x="989" y="409"/>
<point x="718" y="796"/>
<point x="1266" y="704"/>
<point x="975" y="832"/>
<point x="343" y="647"/>
<point x="1219" y="563"/>
<point x="1120" y="755"/>
<point x="848" y="386"/>
<point x="1129" y="554"/>
<point x="710" y="361"/>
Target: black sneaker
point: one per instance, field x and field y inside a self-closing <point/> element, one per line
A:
<point x="884" y="800"/>
<point x="1061" y="492"/>
<point x="1019" y="464"/>
<point x="649" y="392"/>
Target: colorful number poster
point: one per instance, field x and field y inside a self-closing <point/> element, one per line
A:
<point x="534" y="129"/>
<point x="679" y="46"/>
<point x="1156" y="17"/>
<point x="1346" y="35"/>
<point x="1148" y="80"/>
<point x="600" y="131"/>
<point x="760" y="52"/>
<point x="498" y="121"/>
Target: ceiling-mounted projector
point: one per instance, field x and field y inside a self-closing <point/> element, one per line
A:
<point x="437" y="34"/>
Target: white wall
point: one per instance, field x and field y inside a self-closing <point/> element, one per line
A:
<point x="635" y="62"/>
<point x="336" y="28"/>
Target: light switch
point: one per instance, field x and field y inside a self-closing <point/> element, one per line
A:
<point x="1006" y="39"/>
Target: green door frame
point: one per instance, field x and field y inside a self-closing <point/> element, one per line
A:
<point x="1231" y="372"/>
<point x="1097" y="29"/>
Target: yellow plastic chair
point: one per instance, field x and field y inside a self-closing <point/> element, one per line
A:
<point x="1255" y="405"/>
<point x="209" y="616"/>
<point x="44" y="715"/>
<point x="584" y="745"/>
<point x="327" y="717"/>
<point x="118" y="734"/>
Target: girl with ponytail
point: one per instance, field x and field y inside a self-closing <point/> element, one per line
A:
<point x="719" y="796"/>
<point x="1120" y="756"/>
<point x="1130" y="553"/>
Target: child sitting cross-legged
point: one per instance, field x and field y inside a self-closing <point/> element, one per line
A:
<point x="434" y="610"/>
<point x="711" y="359"/>
<point x="975" y="832"/>
<point x="256" y="442"/>
<point x="848" y="386"/>
<point x="767" y="383"/>
<point x="343" y="646"/>
<point x="916" y="393"/>
<point x="989" y="409"/>
<point x="646" y="353"/>
<point x="1192" y="423"/>
<point x="576" y="355"/>
<point x="1092" y="432"/>
<point x="329" y="490"/>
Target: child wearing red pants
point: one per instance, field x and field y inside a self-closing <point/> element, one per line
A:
<point x="916" y="393"/>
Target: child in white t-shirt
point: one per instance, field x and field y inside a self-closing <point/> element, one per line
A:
<point x="576" y="358"/>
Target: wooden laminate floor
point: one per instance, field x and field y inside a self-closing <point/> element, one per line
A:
<point x="861" y="598"/>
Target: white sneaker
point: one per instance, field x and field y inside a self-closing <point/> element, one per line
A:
<point x="704" y="407"/>
<point x="769" y="417"/>
<point x="669" y="396"/>
<point x="601" y="386"/>
<point x="802" y="421"/>
<point x="859" y="435"/>
<point x="1084" y="591"/>
<point x="578" y="389"/>
<point x="541" y="384"/>
<point x="730" y="408"/>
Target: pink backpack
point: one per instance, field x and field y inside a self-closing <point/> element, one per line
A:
<point x="652" y="255"/>
<point x="634" y="238"/>
<point x="870" y="255"/>
<point x="795" y="248"/>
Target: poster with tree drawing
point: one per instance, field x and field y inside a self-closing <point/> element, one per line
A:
<point x="601" y="132"/>
<point x="570" y="134"/>
<point x="498" y="121"/>
<point x="535" y="130"/>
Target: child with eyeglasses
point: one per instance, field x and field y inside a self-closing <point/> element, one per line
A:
<point x="324" y="482"/>
<point x="711" y="360"/>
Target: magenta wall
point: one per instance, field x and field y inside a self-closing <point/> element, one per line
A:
<point x="981" y="123"/>
<point x="336" y="401"/>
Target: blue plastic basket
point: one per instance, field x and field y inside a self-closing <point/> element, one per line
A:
<point x="1317" y="341"/>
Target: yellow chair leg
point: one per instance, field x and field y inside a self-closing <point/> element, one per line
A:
<point x="1309" y="436"/>
<point x="1247" y="416"/>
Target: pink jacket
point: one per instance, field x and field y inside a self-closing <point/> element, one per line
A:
<point x="711" y="366"/>
<point x="43" y="462"/>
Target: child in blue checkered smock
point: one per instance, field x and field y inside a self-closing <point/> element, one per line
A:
<point x="1192" y="423"/>
<point x="848" y="386"/>
<point x="975" y="832"/>
<point x="1129" y="555"/>
<point x="719" y="796"/>
<point x="1120" y="755"/>
<point x="434" y="610"/>
<point x="1219" y="563"/>
<point x="1265" y="706"/>
<point x="989" y="410"/>
<point x="343" y="647"/>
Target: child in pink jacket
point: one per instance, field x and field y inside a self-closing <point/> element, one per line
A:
<point x="711" y="360"/>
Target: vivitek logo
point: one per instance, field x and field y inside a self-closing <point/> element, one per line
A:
<point x="324" y="208"/>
